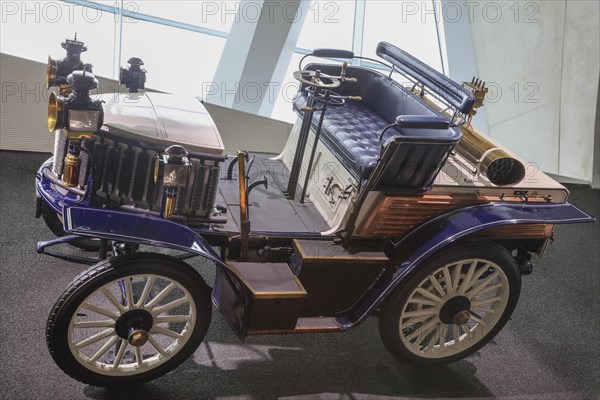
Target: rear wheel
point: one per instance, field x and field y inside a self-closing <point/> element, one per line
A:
<point x="452" y="305"/>
<point x="129" y="319"/>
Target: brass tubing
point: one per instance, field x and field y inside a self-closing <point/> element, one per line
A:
<point x="244" y="222"/>
<point x="242" y="183"/>
<point x="169" y="205"/>
<point x="493" y="162"/>
<point x="71" y="170"/>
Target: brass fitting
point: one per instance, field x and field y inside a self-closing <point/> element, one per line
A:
<point x="71" y="170"/>
<point x="138" y="338"/>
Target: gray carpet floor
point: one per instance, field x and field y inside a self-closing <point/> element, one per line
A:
<point x="550" y="349"/>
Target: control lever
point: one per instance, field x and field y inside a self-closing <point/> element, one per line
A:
<point x="232" y="165"/>
<point x="326" y="98"/>
<point x="264" y="182"/>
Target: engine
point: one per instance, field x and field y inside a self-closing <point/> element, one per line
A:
<point x="145" y="152"/>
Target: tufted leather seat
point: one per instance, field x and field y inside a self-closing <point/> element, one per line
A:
<point x="352" y="131"/>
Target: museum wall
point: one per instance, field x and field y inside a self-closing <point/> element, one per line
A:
<point x="24" y="107"/>
<point x="542" y="61"/>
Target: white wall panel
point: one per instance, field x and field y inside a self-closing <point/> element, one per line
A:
<point x="579" y="89"/>
<point x="541" y="59"/>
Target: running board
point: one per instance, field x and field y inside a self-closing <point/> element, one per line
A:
<point x="305" y="325"/>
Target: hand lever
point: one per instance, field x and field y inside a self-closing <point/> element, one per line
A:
<point x="344" y="70"/>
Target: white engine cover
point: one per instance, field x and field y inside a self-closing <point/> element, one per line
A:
<point x="162" y="119"/>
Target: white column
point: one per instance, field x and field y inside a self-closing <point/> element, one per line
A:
<point x="257" y="54"/>
<point x="459" y="61"/>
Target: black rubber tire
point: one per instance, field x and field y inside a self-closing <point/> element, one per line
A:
<point x="55" y="225"/>
<point x="389" y="317"/>
<point x="104" y="272"/>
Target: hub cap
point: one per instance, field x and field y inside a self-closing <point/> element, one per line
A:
<point x="454" y="308"/>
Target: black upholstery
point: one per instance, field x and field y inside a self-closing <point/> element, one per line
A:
<point x="352" y="130"/>
<point x="451" y="91"/>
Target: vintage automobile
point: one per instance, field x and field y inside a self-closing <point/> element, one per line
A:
<point x="385" y="202"/>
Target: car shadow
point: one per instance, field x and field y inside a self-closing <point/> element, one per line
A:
<point x="337" y="366"/>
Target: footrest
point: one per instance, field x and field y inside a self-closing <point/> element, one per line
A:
<point x="276" y="295"/>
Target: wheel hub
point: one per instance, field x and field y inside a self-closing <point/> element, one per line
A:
<point x="455" y="311"/>
<point x="137" y="337"/>
<point x="134" y="326"/>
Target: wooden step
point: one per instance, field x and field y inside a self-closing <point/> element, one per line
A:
<point x="305" y="325"/>
<point x="276" y="295"/>
<point x="269" y="280"/>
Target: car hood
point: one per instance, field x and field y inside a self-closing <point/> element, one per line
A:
<point x="162" y="119"/>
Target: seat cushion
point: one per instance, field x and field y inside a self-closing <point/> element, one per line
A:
<point x="352" y="130"/>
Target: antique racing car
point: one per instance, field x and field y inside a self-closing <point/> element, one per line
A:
<point x="385" y="202"/>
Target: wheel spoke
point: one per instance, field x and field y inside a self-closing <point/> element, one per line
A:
<point x="422" y="301"/>
<point x="455" y="334"/>
<point x="482" y="302"/>
<point x="167" y="332"/>
<point x="104" y="348"/>
<point x="435" y="338"/>
<point x="172" y="318"/>
<point x="478" y="320"/>
<point x="483" y="309"/>
<point x="468" y="331"/>
<point x="113" y="299"/>
<point x="93" y="339"/>
<point x="456" y="277"/>
<point x="129" y="293"/>
<point x="473" y="292"/>
<point x="94" y="324"/>
<point x="437" y="285"/>
<point x="138" y="357"/>
<point x="443" y="333"/>
<point x="448" y="281"/>
<point x="429" y="295"/>
<point x="163" y="293"/>
<point x="157" y="346"/>
<point x="416" y="320"/>
<point x="467" y="278"/>
<point x="120" y="354"/>
<point x="101" y="310"/>
<point x="423" y="329"/>
<point x="477" y="275"/>
<point x="491" y="287"/>
<point x="169" y="306"/>
<point x="147" y="288"/>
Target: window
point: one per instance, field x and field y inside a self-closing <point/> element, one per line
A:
<point x="282" y="109"/>
<point x="408" y="25"/>
<point x="216" y="15"/>
<point x="42" y="26"/>
<point x="177" y="60"/>
<point x="328" y="24"/>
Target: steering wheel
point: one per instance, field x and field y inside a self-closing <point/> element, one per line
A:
<point x="314" y="78"/>
<point x="329" y="97"/>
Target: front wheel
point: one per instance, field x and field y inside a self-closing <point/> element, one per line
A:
<point x="451" y="306"/>
<point x="129" y="319"/>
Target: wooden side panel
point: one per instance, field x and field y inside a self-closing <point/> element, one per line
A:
<point x="394" y="216"/>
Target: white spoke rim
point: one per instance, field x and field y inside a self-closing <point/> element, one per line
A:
<point x="92" y="338"/>
<point x="481" y="281"/>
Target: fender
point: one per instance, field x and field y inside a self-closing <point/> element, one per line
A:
<point x="137" y="228"/>
<point x="446" y="229"/>
<point x="144" y="229"/>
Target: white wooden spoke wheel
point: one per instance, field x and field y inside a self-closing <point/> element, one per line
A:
<point x="452" y="305"/>
<point x="129" y="319"/>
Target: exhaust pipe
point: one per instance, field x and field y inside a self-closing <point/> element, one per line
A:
<point x="491" y="161"/>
